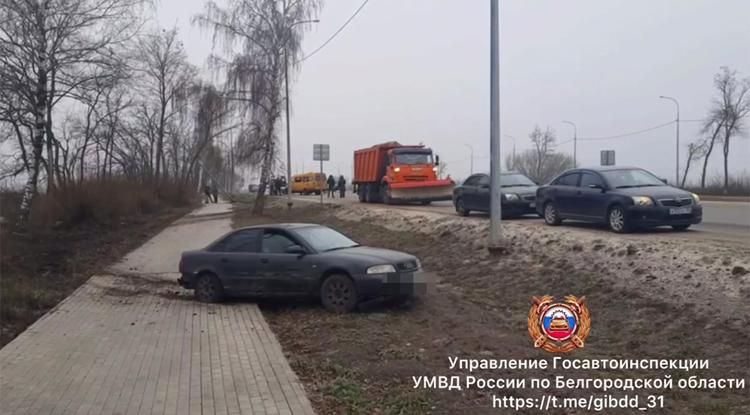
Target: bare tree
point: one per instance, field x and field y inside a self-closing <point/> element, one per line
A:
<point x="267" y="34"/>
<point x="47" y="50"/>
<point x="726" y="117"/>
<point x="695" y="152"/>
<point x="540" y="163"/>
<point x="167" y="75"/>
<point x="527" y="162"/>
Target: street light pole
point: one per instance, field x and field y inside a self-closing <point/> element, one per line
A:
<point x="513" y="154"/>
<point x="288" y="121"/>
<point x="471" y="168"/>
<point x="677" y="147"/>
<point x="575" y="142"/>
<point x="288" y="134"/>
<point x="496" y="236"/>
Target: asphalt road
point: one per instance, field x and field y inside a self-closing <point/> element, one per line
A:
<point x="722" y="221"/>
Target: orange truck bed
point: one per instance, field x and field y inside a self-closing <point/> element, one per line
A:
<point x="369" y="163"/>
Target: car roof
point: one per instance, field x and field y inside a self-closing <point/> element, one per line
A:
<point x="502" y="173"/>
<point x="286" y="226"/>
<point x="606" y="168"/>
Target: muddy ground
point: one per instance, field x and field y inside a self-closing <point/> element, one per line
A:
<point x="649" y="299"/>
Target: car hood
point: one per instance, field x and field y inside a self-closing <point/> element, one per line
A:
<point x="374" y="256"/>
<point x="656" y="192"/>
<point x="520" y="190"/>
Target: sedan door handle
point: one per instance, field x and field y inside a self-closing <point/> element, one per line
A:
<point x="264" y="260"/>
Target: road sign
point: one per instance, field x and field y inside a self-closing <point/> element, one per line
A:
<point x="608" y="157"/>
<point x="321" y="152"/>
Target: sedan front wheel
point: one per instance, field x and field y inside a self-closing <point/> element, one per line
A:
<point x="551" y="215"/>
<point x="618" y="220"/>
<point x="338" y="293"/>
<point x="460" y="208"/>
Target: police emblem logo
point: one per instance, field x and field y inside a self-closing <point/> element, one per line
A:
<point x="559" y="327"/>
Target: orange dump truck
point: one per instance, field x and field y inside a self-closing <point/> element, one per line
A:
<point x="391" y="172"/>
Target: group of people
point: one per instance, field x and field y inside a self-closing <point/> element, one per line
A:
<point x="211" y="193"/>
<point x="334" y="185"/>
<point x="278" y="186"/>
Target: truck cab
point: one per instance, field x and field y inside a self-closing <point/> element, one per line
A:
<point x="408" y="164"/>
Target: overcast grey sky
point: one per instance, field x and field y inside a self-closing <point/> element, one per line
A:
<point x="418" y="70"/>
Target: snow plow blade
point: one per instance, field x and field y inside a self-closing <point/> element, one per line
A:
<point x="430" y="191"/>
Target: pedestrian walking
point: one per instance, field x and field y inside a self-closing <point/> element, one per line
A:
<point x="342" y="186"/>
<point x="215" y="192"/>
<point x="206" y="194"/>
<point x="331" y="187"/>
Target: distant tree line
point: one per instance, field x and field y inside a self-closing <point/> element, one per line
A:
<point x="88" y="93"/>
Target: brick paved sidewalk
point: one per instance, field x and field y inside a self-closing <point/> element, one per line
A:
<point x="138" y="344"/>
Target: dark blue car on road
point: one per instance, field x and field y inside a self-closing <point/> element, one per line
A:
<point x="624" y="198"/>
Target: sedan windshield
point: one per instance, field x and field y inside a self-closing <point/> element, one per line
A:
<point x="325" y="239"/>
<point x="512" y="180"/>
<point x="621" y="179"/>
<point x="413" y="158"/>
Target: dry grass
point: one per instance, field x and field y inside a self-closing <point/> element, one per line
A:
<point x="72" y="233"/>
<point x="738" y="186"/>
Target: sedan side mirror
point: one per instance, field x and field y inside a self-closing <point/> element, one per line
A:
<point x="295" y="249"/>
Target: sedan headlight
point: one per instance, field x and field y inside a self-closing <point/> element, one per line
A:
<point x="381" y="269"/>
<point x="511" y="196"/>
<point x="696" y="198"/>
<point x="643" y="201"/>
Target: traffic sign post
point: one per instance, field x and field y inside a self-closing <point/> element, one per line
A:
<point x="321" y="152"/>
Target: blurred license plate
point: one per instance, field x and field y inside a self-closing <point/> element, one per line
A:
<point x="681" y="210"/>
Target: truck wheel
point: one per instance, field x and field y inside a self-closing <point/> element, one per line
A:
<point x="338" y="294"/>
<point x="385" y="194"/>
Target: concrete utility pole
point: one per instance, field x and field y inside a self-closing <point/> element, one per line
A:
<point x="471" y="165"/>
<point x="513" y="155"/>
<point x="496" y="236"/>
<point x="575" y="142"/>
<point x="677" y="147"/>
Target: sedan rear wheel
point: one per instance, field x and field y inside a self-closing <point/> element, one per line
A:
<point x="208" y="289"/>
<point x="618" y="221"/>
<point x="338" y="294"/>
<point x="551" y="215"/>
